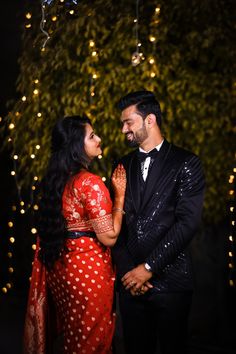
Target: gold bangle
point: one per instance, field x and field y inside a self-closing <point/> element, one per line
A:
<point x="119" y="209"/>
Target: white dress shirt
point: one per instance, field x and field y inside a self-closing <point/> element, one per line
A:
<point x="147" y="161"/>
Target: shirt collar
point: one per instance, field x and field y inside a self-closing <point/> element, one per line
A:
<point x="156" y="147"/>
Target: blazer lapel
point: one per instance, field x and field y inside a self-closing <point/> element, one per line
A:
<point x="155" y="172"/>
<point x="133" y="181"/>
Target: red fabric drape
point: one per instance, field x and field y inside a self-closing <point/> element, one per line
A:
<point x="37" y="311"/>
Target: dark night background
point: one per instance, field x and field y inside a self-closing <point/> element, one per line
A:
<point x="213" y="317"/>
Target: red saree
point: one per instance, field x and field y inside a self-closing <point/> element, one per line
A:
<point x="81" y="283"/>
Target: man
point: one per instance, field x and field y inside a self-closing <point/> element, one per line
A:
<point x="163" y="205"/>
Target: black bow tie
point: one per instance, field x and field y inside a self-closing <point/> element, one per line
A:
<point x="143" y="155"/>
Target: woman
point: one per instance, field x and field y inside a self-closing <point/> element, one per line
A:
<point x="72" y="285"/>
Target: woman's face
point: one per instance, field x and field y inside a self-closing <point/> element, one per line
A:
<point x="91" y="142"/>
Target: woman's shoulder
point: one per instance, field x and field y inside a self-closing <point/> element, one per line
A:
<point x="85" y="177"/>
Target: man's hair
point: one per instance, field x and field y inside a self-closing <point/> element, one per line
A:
<point x="145" y="102"/>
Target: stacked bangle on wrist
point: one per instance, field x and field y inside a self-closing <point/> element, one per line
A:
<point x="119" y="209"/>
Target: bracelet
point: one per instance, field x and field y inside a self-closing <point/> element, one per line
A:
<point x="119" y="209"/>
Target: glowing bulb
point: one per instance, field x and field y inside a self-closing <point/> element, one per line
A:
<point x="4" y="290"/>
<point x="152" y="38"/>
<point x="33" y="188"/>
<point x="39" y="114"/>
<point x="94" y="53"/>
<point x="8" y="285"/>
<point x="135" y="20"/>
<point x="9" y="255"/>
<point x="231" y="238"/>
<point x="13" y="173"/>
<point x="22" y="211"/>
<point x="54" y="18"/>
<point x="104" y="179"/>
<point x="10" y="270"/>
<point x="157" y="10"/>
<point x="32" y="156"/>
<point x="36" y="207"/>
<point x="230" y="254"/>
<point x="91" y="43"/>
<point x="72" y="12"/>
<point x="15" y="157"/>
<point x="28" y="25"/>
<point x="231" y="179"/>
<point x="11" y="239"/>
<point x="151" y="61"/>
<point x="36" y="81"/>
<point x="33" y="230"/>
<point x="34" y="247"/>
<point x="152" y="74"/>
<point x="36" y="92"/>
<point x="95" y="76"/>
<point x="28" y="15"/>
<point x="99" y="157"/>
<point x="23" y="98"/>
<point x="11" y="126"/>
<point x="136" y="58"/>
<point x="10" y="224"/>
<point x="37" y="147"/>
<point x="13" y="208"/>
<point x="231" y="209"/>
<point x="22" y="203"/>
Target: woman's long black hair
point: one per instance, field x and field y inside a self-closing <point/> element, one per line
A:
<point x="68" y="157"/>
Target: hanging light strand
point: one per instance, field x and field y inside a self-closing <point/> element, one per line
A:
<point x="137" y="56"/>
<point x="42" y="24"/>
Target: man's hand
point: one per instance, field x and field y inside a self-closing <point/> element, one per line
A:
<point x="137" y="280"/>
<point x="144" y="288"/>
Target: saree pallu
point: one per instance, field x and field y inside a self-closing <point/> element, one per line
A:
<point x="40" y="320"/>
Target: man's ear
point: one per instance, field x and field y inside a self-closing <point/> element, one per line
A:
<point x="151" y="119"/>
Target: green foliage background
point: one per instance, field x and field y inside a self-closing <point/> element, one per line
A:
<point x="194" y="81"/>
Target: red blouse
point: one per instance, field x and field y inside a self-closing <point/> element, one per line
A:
<point x="87" y="205"/>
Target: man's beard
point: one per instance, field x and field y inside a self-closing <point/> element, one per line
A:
<point x="138" y="137"/>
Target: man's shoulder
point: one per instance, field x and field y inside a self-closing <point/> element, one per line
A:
<point x="182" y="153"/>
<point x="124" y="160"/>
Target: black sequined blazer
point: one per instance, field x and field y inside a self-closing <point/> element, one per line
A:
<point x="159" y="227"/>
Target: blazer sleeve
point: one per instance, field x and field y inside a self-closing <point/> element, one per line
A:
<point x="121" y="256"/>
<point x="188" y="212"/>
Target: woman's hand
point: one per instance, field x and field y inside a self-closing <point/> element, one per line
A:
<point x="119" y="181"/>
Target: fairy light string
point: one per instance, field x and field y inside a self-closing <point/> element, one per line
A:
<point x="137" y="56"/>
<point x="28" y="207"/>
<point x="232" y="234"/>
<point x="153" y="72"/>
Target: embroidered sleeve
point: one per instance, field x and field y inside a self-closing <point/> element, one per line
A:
<point x="97" y="202"/>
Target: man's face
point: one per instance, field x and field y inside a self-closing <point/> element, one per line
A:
<point x="133" y="126"/>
